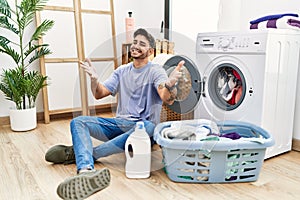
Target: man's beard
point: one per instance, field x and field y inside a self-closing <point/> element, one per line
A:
<point x="140" y="54"/>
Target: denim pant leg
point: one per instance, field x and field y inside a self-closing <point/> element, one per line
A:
<point x="117" y="144"/>
<point x="112" y="131"/>
<point x="104" y="129"/>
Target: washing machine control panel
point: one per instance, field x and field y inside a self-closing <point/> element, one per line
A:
<point x="233" y="43"/>
<point x="227" y="43"/>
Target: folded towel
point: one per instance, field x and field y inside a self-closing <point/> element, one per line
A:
<point x="286" y="22"/>
<point x="276" y="16"/>
<point x="294" y="22"/>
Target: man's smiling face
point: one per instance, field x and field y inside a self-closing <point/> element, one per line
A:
<point x="140" y="47"/>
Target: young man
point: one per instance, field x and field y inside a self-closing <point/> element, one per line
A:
<point x="141" y="87"/>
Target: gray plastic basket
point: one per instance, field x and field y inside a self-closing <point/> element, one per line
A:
<point x="215" y="161"/>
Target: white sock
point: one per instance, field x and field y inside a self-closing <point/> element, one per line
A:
<point x="86" y="170"/>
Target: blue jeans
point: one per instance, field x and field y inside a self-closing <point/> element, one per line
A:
<point x="112" y="131"/>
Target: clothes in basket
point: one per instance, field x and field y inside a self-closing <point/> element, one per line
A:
<point x="214" y="158"/>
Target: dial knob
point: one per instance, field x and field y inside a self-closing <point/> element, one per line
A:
<point x="225" y="43"/>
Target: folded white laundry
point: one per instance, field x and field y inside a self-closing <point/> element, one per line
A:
<point x="196" y="131"/>
<point x="178" y="130"/>
<point x="173" y="133"/>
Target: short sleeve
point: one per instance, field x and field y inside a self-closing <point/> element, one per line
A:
<point x="112" y="83"/>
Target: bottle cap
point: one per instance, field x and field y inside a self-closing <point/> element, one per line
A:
<point x="140" y="125"/>
<point x="129" y="13"/>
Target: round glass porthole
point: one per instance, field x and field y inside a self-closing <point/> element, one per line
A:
<point x="188" y="87"/>
<point x="227" y="86"/>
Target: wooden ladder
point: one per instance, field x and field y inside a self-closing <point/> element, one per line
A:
<point x="76" y="8"/>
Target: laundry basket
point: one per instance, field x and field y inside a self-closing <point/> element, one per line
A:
<point x="215" y="161"/>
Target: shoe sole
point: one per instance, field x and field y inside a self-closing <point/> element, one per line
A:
<point x="84" y="185"/>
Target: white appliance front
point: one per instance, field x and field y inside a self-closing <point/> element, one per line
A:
<point x="217" y="106"/>
<point x="262" y="67"/>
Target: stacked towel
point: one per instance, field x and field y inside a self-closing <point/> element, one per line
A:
<point x="294" y="22"/>
<point x="270" y="17"/>
<point x="280" y="21"/>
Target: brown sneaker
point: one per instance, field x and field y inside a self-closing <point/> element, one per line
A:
<point x="60" y="154"/>
<point x="84" y="184"/>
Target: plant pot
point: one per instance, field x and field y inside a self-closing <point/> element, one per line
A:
<point x="23" y="120"/>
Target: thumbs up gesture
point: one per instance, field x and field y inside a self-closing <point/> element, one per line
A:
<point x="175" y="75"/>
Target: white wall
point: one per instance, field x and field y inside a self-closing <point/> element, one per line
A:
<point x="188" y="18"/>
<point x="147" y="14"/>
<point x="230" y="15"/>
<point x="236" y="14"/>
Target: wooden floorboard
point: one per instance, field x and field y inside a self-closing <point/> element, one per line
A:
<point x="25" y="175"/>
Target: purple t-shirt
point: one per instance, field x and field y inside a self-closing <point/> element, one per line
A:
<point x="137" y="91"/>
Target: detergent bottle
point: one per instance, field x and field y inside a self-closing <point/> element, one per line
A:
<point x="138" y="153"/>
<point x="129" y="26"/>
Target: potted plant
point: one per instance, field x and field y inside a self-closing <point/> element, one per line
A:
<point x="19" y="84"/>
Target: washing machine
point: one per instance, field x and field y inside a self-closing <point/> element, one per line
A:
<point x="251" y="76"/>
<point x="247" y="76"/>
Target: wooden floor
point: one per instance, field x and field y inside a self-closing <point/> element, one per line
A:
<point x="25" y="175"/>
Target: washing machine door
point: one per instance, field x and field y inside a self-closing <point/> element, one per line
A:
<point x="228" y="88"/>
<point x="188" y="87"/>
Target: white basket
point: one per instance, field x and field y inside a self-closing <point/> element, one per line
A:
<point x="214" y="161"/>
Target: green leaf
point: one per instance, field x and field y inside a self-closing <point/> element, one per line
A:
<point x="27" y="11"/>
<point x="39" y="53"/>
<point x="42" y="29"/>
<point x="3" y="43"/>
<point x="33" y="5"/>
<point x="4" y="23"/>
<point x="4" y="8"/>
<point x="12" y="53"/>
<point x="34" y="82"/>
<point x="33" y="48"/>
<point x="12" y="85"/>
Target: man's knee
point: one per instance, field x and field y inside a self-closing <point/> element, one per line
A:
<point x="79" y="121"/>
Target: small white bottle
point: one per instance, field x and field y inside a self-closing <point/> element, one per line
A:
<point x="138" y="153"/>
<point x="129" y="26"/>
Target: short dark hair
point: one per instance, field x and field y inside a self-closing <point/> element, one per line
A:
<point x="147" y="35"/>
